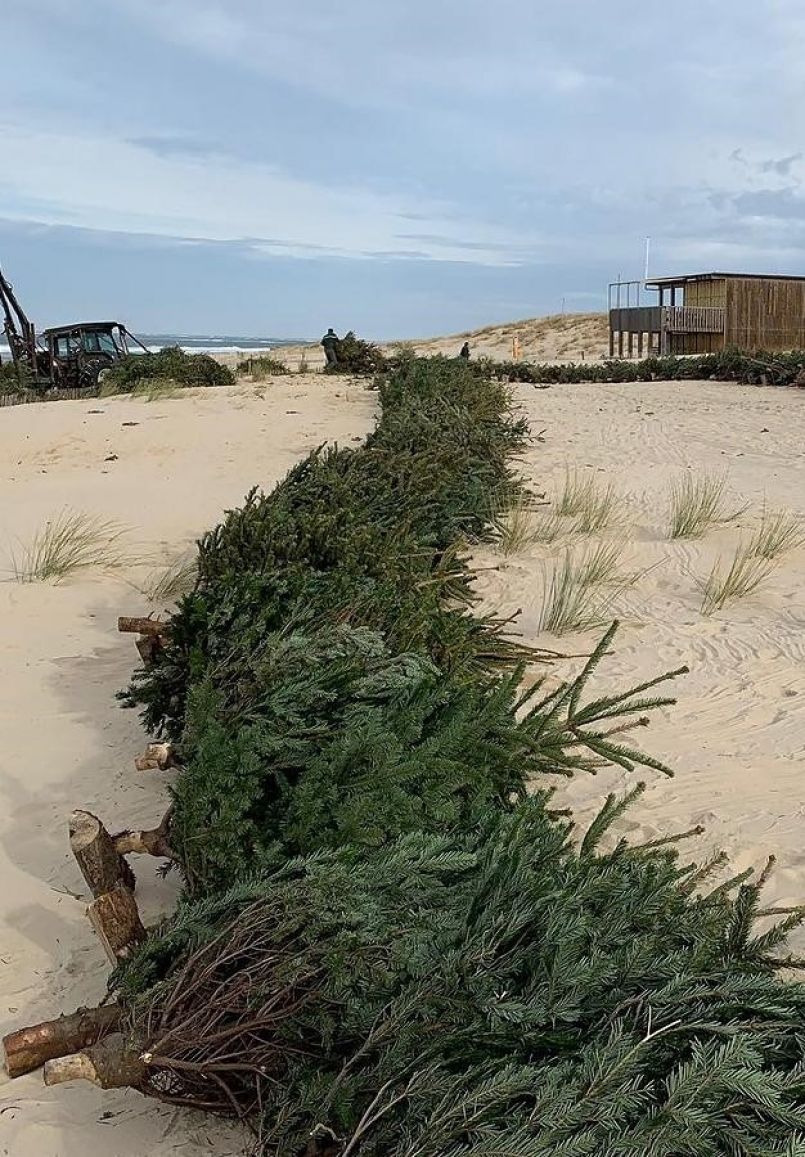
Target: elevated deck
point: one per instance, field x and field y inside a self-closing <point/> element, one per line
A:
<point x="657" y="325"/>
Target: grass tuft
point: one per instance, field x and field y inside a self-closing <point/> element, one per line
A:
<point x="263" y="366"/>
<point x="593" y="506"/>
<point x="745" y="574"/>
<point x="514" y="522"/>
<point x="697" y="504"/>
<point x="582" y="590"/>
<point x="165" y="587"/>
<point x="68" y="543"/>
<point x="779" y="532"/>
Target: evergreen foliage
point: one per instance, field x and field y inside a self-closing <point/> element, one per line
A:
<point x="356" y="356"/>
<point x="731" y="365"/>
<point x="171" y="363"/>
<point x="498" y="992"/>
<point x="15" y="378"/>
<point x="385" y="946"/>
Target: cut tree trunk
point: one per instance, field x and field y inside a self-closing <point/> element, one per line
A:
<point x="151" y="842"/>
<point x="156" y="757"/>
<point x="29" y="1048"/>
<point x="148" y="646"/>
<point x="111" y="1064"/>
<point x="101" y="864"/>
<point x="134" y="626"/>
<point x="116" y="919"/>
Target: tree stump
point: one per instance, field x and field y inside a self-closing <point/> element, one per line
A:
<point x="156" y="757"/>
<point x="29" y="1048"/>
<point x="101" y="865"/>
<point x="135" y="626"/>
<point x="116" y="920"/>
<point x="111" y="1064"/>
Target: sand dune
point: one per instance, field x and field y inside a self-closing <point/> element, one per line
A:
<point x="168" y="469"/>
<point x="568" y="337"/>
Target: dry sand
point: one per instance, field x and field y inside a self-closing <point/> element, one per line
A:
<point x="65" y="742"/>
<point x="735" y="738"/>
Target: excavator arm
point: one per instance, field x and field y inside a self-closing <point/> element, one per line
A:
<point x="19" y="331"/>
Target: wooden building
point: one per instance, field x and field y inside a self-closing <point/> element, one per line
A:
<point x="705" y="312"/>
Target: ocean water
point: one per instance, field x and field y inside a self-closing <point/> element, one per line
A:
<point x="200" y="343"/>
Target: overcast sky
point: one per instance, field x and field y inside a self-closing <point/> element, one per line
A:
<point x="271" y="168"/>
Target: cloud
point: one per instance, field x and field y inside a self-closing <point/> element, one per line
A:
<point x="782" y="166"/>
<point x="130" y="187"/>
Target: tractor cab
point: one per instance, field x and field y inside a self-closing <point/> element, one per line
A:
<point x="65" y="357"/>
<point x="76" y="356"/>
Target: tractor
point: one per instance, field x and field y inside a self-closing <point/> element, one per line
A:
<point x="66" y="357"/>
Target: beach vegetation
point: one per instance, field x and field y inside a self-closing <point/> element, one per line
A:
<point x="517" y="521"/>
<point x="697" y="503"/>
<point x="593" y="504"/>
<point x="262" y="366"/>
<point x="777" y="533"/>
<point x="581" y="592"/>
<point x="168" y="584"/>
<point x="71" y="541"/>
<point x="391" y="938"/>
<point x="746" y="572"/>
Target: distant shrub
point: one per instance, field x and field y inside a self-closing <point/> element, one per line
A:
<point x="170" y="363"/>
<point x="263" y="366"/>
<point x="15" y="379"/>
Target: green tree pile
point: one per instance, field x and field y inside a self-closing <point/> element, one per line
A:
<point x="385" y="946"/>
<point x="356" y="356"/>
<point x="169" y="364"/>
<point x="493" y="993"/>
<point x="732" y="365"/>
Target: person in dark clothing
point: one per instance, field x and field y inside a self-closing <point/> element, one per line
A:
<point x="465" y="351"/>
<point x="330" y="342"/>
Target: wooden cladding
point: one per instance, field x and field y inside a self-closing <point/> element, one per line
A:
<point x="765" y="314"/>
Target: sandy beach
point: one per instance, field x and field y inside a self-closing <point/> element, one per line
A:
<point x="166" y="470"/>
<point x="66" y="742"/>
<point x="735" y="739"/>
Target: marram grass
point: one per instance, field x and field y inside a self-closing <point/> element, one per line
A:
<point x="746" y="572"/>
<point x="583" y="588"/>
<point x="70" y="542"/>
<point x="594" y="505"/>
<point x="697" y="504"/>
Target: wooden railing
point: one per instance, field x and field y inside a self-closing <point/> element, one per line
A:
<point x="693" y="319"/>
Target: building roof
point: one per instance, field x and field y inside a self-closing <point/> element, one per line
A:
<point x="656" y="282"/>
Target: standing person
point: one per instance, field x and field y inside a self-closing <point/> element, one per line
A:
<point x="465" y="351"/>
<point x="330" y="342"/>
